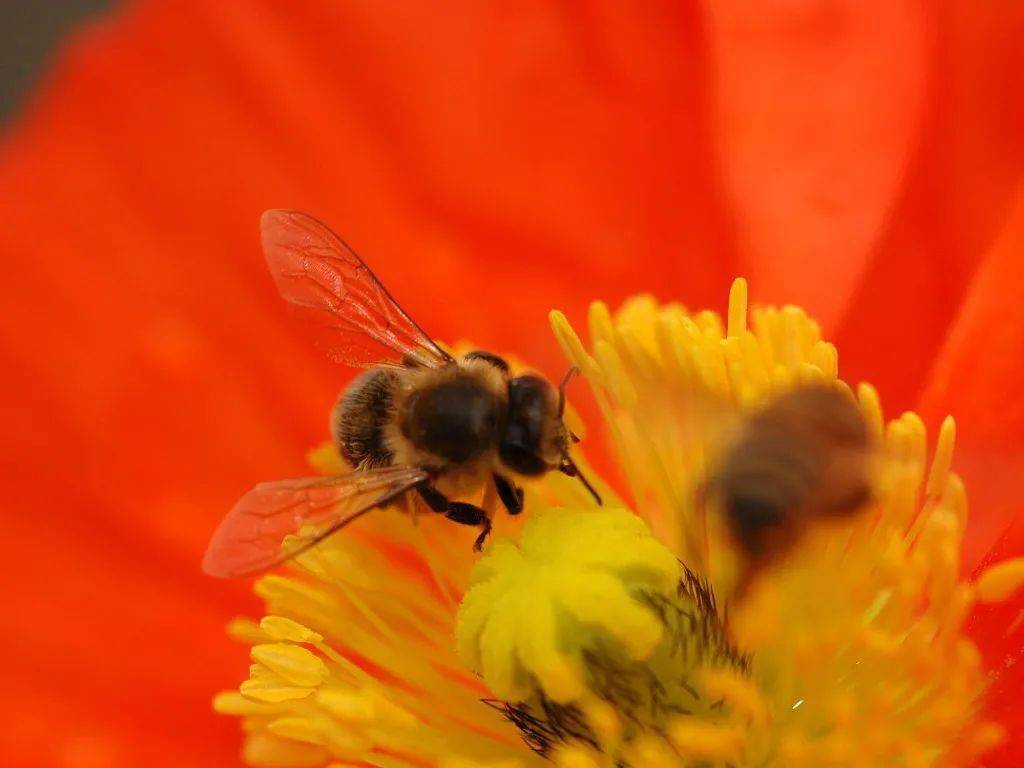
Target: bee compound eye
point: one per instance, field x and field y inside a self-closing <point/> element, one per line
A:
<point x="519" y="458"/>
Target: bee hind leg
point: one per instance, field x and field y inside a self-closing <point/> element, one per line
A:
<point x="457" y="511"/>
<point x="485" y="525"/>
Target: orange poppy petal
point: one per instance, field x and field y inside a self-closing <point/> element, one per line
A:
<point x="977" y="376"/>
<point x="152" y="370"/>
<point x="491" y="164"/>
<point x="818" y="108"/>
<point x="957" y="195"/>
<point x="999" y="631"/>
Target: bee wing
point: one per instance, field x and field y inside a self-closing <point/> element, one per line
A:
<point x="249" y="539"/>
<point x="326" y="282"/>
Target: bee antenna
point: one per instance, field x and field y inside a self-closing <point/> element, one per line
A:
<point x="569" y="468"/>
<point x="561" y="389"/>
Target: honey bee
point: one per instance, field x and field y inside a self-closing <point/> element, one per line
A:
<point x="417" y="420"/>
<point x="803" y="457"/>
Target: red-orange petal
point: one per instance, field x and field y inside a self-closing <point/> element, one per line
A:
<point x="957" y="195"/>
<point x="492" y="163"/>
<point x="818" y="109"/>
<point x="977" y="377"/>
<point x="503" y="163"/>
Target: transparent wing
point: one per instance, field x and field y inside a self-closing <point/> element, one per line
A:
<point x="327" y="283"/>
<point x="249" y="539"/>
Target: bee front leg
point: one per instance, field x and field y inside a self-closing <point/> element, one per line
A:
<point x="457" y="511"/>
<point x="511" y="496"/>
<point x="468" y="514"/>
<point x="433" y="498"/>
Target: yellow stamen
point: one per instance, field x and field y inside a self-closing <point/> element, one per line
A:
<point x="600" y="638"/>
<point x="738" y="308"/>
<point x="1000" y="581"/>
<point x="840" y="643"/>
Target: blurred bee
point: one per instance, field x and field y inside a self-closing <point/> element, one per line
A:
<point x="417" y="420"/>
<point x="803" y="457"/>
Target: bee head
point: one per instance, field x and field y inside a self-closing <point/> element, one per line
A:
<point x="536" y="439"/>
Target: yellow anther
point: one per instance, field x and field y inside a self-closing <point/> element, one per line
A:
<point x="740" y="695"/>
<point x="571" y="345"/>
<point x="702" y="740"/>
<point x="266" y="749"/>
<point x="943" y="457"/>
<point x="574" y="756"/>
<point x="234" y="703"/>
<point x="296" y="729"/>
<point x="281" y="628"/>
<point x="603" y="720"/>
<point x="614" y="374"/>
<point x="600" y="322"/>
<point x="737" y="324"/>
<point x="271" y="689"/>
<point x="293" y="663"/>
<point x="347" y="705"/>
<point x="1000" y="581"/>
<point x="247" y="631"/>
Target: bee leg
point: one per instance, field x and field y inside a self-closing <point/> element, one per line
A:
<point x="469" y="514"/>
<point x="511" y="496"/>
<point x="457" y="511"/>
<point x="433" y="498"/>
<point x="485" y="525"/>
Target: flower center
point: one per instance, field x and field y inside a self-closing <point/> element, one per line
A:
<point x="595" y="643"/>
<point x="852" y="645"/>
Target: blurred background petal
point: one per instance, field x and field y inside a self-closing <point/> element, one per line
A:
<point x="799" y="84"/>
<point x="961" y="184"/>
<point x="491" y="163"/>
<point x="976" y="376"/>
